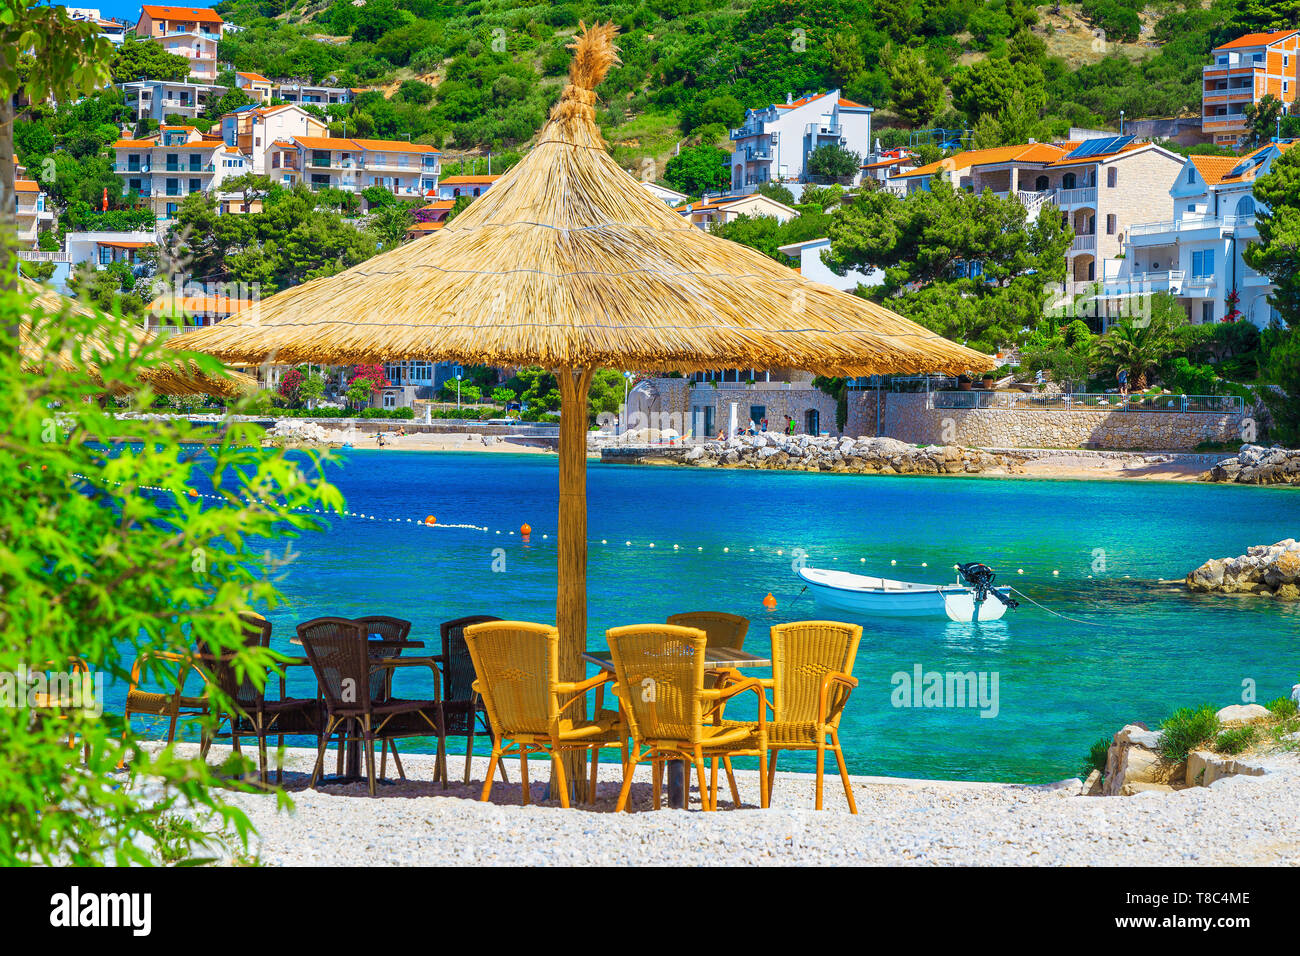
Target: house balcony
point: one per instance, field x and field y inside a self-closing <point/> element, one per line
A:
<point x="746" y="131"/>
<point x="1199" y="286"/>
<point x="1083" y="244"/>
<point x="1186" y="229"/>
<point x="1144" y="283"/>
<point x="756" y="153"/>
<point x="43" y="255"/>
<point x="131" y="167"/>
<point x="1083" y="196"/>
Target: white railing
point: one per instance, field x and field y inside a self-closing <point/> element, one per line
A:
<point x="1145" y="282"/>
<point x="1074" y="197"/>
<point x="1190" y="224"/>
<point x="1084" y="244"/>
<point x="42" y="255"/>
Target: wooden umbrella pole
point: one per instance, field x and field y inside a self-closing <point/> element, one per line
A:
<point x="571" y="593"/>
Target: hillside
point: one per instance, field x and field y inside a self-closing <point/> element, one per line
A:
<point x="474" y="76"/>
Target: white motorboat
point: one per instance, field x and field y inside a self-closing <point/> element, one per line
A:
<point x="860" y="594"/>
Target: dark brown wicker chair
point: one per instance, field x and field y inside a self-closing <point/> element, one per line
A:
<point x="462" y="705"/>
<point x="253" y="714"/>
<point x="381" y="680"/>
<point x="336" y="648"/>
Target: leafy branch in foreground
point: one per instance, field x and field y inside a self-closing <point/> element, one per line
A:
<point x="105" y="555"/>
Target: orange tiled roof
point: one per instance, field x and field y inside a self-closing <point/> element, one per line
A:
<point x="27" y="186"/>
<point x="125" y="245"/>
<point x="394" y="146"/>
<point x="1045" y="153"/>
<point x="426" y="227"/>
<point x="1256" y="39"/>
<point x="134" y="143"/>
<point x="1249" y="174"/>
<point x="438" y="206"/>
<point x="467" y="180"/>
<point x="197" y="14"/>
<point x="200" y="304"/>
<point x="1214" y="168"/>
<point x="255" y="77"/>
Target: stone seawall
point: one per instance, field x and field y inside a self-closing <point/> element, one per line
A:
<point x="905" y="416"/>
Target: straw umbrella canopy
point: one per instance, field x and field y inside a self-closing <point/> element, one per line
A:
<point x="171" y="378"/>
<point x="570" y="263"/>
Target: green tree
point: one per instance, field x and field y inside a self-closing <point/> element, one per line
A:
<point x="1277" y="254"/>
<point x="606" y="394"/>
<point x="973" y="268"/>
<point x="774" y="190"/>
<point x="833" y="162"/>
<point x="96" y="570"/>
<point x="916" y="92"/>
<point x="1140" y="345"/>
<point x="143" y="59"/>
<point x="698" y="169"/>
<point x="1262" y="120"/>
<point x="67" y="58"/>
<point x="986" y="87"/>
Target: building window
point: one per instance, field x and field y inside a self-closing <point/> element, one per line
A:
<point x="1203" y="263"/>
<point x="196" y="185"/>
<point x="1207" y="313"/>
<point x="1191" y="174"/>
<point x="1068" y="181"/>
<point x="1110" y="224"/>
<point x="1112" y="177"/>
<point x="105" y="255"/>
<point x="390" y="400"/>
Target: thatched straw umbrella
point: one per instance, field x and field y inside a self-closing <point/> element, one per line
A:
<point x="570" y="263"/>
<point x="171" y="378"/>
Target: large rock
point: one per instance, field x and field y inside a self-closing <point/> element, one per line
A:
<point x="1204" y="767"/>
<point x="1272" y="569"/>
<point x="1256" y="465"/>
<point x="1242" y="714"/>
<point x="1134" y="763"/>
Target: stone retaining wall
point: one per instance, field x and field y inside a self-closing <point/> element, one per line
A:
<point x="905" y="416"/>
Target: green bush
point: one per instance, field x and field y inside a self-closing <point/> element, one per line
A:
<point x="1283" y="707"/>
<point x="1097" y="756"/>
<point x="406" y="413"/>
<point x="1186" y="729"/>
<point x="1235" y="740"/>
<point x="95" y="571"/>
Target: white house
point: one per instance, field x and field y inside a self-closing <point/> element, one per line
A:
<point x="159" y="99"/>
<point x="775" y="140"/>
<point x="1197" y="255"/>
<point x="811" y="266"/>
<point x="670" y="196"/>
<point x="453" y="187"/>
<point x="721" y="209"/>
<point x="164" y="168"/>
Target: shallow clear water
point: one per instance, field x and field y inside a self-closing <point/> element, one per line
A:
<point x="1061" y="684"/>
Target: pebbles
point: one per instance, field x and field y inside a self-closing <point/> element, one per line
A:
<point x="1238" y="821"/>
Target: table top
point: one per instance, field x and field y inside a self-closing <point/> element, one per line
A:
<point x="713" y="656"/>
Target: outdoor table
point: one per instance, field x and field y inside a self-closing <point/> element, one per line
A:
<point x="717" y="658"/>
<point x="352" y="749"/>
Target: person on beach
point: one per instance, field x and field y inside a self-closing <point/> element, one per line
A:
<point x="763" y="425"/>
<point x="379" y="439"/>
<point x="751" y="429"/>
<point x="1123" y="381"/>
<point x="789" y="425"/>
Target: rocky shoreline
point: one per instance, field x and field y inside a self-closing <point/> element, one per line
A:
<point x="1257" y="465"/>
<point x="882" y="456"/>
<point x="1271" y="570"/>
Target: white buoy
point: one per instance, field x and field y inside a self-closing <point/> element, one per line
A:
<point x="862" y="560"/>
<point x="726" y="550"/>
<point x="1020" y="570"/>
<point x="603" y="541"/>
<point x="1054" y="573"/>
<point x="652" y="544"/>
<point x="675" y="547"/>
<point x="628" y="543"/>
<point x="924" y="564"/>
<point x="892" y="562"/>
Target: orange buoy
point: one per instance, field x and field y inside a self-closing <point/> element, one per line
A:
<point x="525" y="530"/>
<point x="769" y="602"/>
<point x="193" y="493"/>
<point x="430" y="520"/>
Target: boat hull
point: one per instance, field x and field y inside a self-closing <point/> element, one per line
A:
<point x="860" y="595"/>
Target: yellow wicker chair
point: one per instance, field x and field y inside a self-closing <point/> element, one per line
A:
<point x="720" y="628"/>
<point x="171" y="703"/>
<point x="517" y="668"/>
<point x="660" y="671"/>
<point x="812" y="667"/>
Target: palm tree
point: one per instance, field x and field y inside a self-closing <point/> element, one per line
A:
<point x="1140" y="346"/>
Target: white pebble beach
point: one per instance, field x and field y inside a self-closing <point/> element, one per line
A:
<point x="1238" y="821"/>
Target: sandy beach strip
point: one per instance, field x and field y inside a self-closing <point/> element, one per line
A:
<point x="1237" y="821"/>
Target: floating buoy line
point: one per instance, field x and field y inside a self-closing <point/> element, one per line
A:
<point x="527" y="533"/>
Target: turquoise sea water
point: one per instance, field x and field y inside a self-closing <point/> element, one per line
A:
<point x="1061" y="684"/>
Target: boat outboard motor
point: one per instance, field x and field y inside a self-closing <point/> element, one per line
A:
<point x="980" y="577"/>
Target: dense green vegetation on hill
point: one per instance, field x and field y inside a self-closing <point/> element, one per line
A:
<point x="484" y="71"/>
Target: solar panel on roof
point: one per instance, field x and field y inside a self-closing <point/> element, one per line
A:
<point x="1100" y="147"/>
<point x="1247" y="164"/>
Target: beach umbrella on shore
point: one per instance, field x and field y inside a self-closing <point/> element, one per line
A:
<point x="570" y="263"/>
<point x="172" y="378"/>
